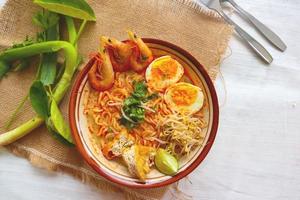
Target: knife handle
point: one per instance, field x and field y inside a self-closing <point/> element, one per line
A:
<point x="256" y="46"/>
<point x="268" y="33"/>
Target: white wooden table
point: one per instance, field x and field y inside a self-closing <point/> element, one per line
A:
<point x="256" y="154"/>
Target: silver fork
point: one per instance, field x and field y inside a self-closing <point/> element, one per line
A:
<point x="268" y="33"/>
<point x="256" y="46"/>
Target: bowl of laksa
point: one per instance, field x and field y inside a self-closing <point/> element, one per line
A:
<point x="143" y="112"/>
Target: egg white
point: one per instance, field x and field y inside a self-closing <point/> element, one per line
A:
<point x="162" y="84"/>
<point x="192" y="107"/>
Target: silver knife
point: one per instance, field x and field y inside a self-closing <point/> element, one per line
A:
<point x="268" y="33"/>
<point x="256" y="46"/>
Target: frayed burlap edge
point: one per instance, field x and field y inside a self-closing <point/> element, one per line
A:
<point x="41" y="160"/>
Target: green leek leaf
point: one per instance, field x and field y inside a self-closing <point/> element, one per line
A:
<point x="49" y="21"/>
<point x="48" y="68"/>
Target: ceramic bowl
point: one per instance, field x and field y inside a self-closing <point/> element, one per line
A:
<point x="116" y="172"/>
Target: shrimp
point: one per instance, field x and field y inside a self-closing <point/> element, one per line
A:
<point x="101" y="76"/>
<point x="119" y="53"/>
<point x="141" y="56"/>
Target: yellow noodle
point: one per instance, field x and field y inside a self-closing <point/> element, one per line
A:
<point x="104" y="109"/>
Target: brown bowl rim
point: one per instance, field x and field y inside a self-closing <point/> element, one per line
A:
<point x="191" y="167"/>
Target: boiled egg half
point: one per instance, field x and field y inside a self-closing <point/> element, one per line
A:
<point x="163" y="72"/>
<point x="184" y="98"/>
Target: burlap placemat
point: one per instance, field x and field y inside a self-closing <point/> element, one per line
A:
<point x="178" y="21"/>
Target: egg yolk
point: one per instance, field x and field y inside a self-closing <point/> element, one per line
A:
<point x="165" y="69"/>
<point x="183" y="96"/>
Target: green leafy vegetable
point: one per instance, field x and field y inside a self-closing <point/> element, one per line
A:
<point x="131" y="101"/>
<point x="74" y="8"/>
<point x="28" y="41"/>
<point x="82" y="26"/>
<point x="23" y="63"/>
<point x="132" y="111"/>
<point x="45" y="19"/>
<point x="49" y="22"/>
<point x="5" y="66"/>
<point x="59" y="73"/>
<point x="59" y="123"/>
<point x="46" y="44"/>
<point x="39" y="99"/>
<point x="48" y="68"/>
<point x="140" y="90"/>
<point x="60" y="89"/>
<point x="49" y="60"/>
<point x="137" y="114"/>
<point x="71" y="28"/>
<point x="56" y="135"/>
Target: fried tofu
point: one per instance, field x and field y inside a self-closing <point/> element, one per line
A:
<point x="138" y="159"/>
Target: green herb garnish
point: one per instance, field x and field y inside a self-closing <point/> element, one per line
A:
<point x="140" y="90"/>
<point x="132" y="111"/>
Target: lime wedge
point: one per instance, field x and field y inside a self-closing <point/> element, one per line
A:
<point x="74" y="8"/>
<point x="165" y="162"/>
